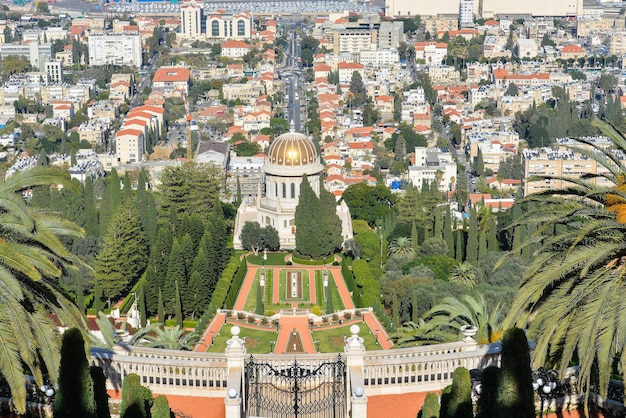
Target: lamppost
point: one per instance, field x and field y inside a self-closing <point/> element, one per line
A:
<point x="272" y="342"/>
<point x="376" y="333"/>
<point x="544" y="382"/>
<point x="317" y="345"/>
<point x="48" y="390"/>
<point x="211" y="338"/>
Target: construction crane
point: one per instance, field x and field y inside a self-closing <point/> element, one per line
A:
<point x="188" y="128"/>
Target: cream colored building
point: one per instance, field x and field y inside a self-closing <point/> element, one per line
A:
<point x="130" y="146"/>
<point x="444" y="74"/>
<point x="191" y="19"/>
<point x="560" y="162"/>
<point x="290" y="157"/>
<point x="485" y="8"/>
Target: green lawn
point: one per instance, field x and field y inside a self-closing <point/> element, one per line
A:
<point x="332" y="341"/>
<point x="273" y="259"/>
<point x="319" y="288"/>
<point x="257" y="340"/>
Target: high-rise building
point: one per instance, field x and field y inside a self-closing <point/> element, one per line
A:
<point x="192" y="19"/>
<point x="115" y="49"/>
<point x="466" y="13"/>
<point x="54" y="69"/>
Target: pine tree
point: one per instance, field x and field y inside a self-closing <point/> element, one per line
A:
<point x="91" y="216"/>
<point x="122" y="259"/>
<point x="105" y="212"/>
<point x="75" y="394"/>
<point x="179" y="306"/>
<point x="199" y="282"/>
<point x="127" y="191"/>
<point x="175" y="271"/>
<point x="115" y="193"/>
<point x="471" y="251"/>
<point x="161" y="309"/>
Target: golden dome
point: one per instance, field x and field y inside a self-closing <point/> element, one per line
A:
<point x="292" y="149"/>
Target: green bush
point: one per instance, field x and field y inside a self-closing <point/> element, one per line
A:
<point x="133" y="403"/>
<point x="430" y="409"/>
<point x="441" y="265"/>
<point x="458" y="403"/>
<point x="161" y="407"/>
<point x="489" y="381"/>
<point x="515" y="396"/>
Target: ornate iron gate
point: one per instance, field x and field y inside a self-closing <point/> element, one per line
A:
<point x="312" y="389"/>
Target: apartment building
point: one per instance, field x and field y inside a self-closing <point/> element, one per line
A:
<point x="433" y="164"/>
<point x="560" y="162"/>
<point x="171" y="81"/>
<point x="221" y="25"/>
<point x="116" y="49"/>
<point x="54" y="70"/>
<point x="36" y="52"/>
<point x="130" y="146"/>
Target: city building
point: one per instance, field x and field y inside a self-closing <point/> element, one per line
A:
<point x="116" y="49"/>
<point x="466" y="13"/>
<point x="433" y="165"/>
<point x="37" y="53"/>
<point x="290" y="156"/>
<point x="130" y="145"/>
<point x="171" y="81"/>
<point x="192" y="22"/>
<point x="54" y="70"/>
<point x="221" y="25"/>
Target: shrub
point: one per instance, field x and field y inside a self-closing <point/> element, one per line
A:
<point x="133" y="404"/>
<point x="458" y="403"/>
<point x="347" y="315"/>
<point x="264" y="320"/>
<point x="335" y="317"/>
<point x="161" y="407"/>
<point x="241" y="315"/>
<point x="515" y="396"/>
<point x="430" y="409"/>
<point x="251" y="319"/>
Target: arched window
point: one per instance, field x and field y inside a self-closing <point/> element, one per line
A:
<point x="293" y="190"/>
<point x="215" y="28"/>
<point x="284" y="191"/>
<point x="241" y="28"/>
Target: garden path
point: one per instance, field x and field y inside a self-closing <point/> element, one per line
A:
<point x="210" y="332"/>
<point x="374" y="324"/>
<point x="245" y="288"/>
<point x="343" y="289"/>
<point x="287" y="325"/>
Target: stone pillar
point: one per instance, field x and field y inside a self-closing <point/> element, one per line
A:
<point x="235" y="359"/>
<point x="355" y="352"/>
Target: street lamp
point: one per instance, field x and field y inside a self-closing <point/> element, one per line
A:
<point x="376" y="333"/>
<point x="317" y="344"/>
<point x="544" y="382"/>
<point x="272" y="342"/>
<point x="211" y="338"/>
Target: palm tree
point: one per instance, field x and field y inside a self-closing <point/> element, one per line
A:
<point x="465" y="274"/>
<point x="171" y="338"/>
<point x="571" y="295"/>
<point x="452" y="313"/>
<point x="32" y="259"/>
<point x="412" y="334"/>
<point x="401" y="248"/>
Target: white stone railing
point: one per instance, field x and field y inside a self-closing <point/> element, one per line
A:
<point x="423" y="369"/>
<point x="166" y="372"/>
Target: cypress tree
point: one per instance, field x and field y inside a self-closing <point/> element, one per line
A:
<point x="447" y="232"/>
<point x="438" y="233"/>
<point x="133" y="404"/>
<point x="458" y="403"/>
<point x="161" y="309"/>
<point x="492" y="239"/>
<point x="480" y="164"/>
<point x="482" y="244"/>
<point x="91" y="216"/>
<point x="105" y="212"/>
<point x="486" y="406"/>
<point x="199" y="283"/>
<point x="471" y="251"/>
<point x="259" y="300"/>
<point x="80" y="293"/>
<point x="515" y="396"/>
<point x="141" y="302"/>
<point x="395" y="310"/>
<point x="98" y="303"/>
<point x="237" y="201"/>
<point x="414" y="307"/>
<point x="430" y="409"/>
<point x="460" y="235"/>
<point x="179" y="306"/>
<point x="75" y="394"/>
<point x="101" y="397"/>
<point x="308" y="221"/>
<point x="73" y="158"/>
<point x="161" y="407"/>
